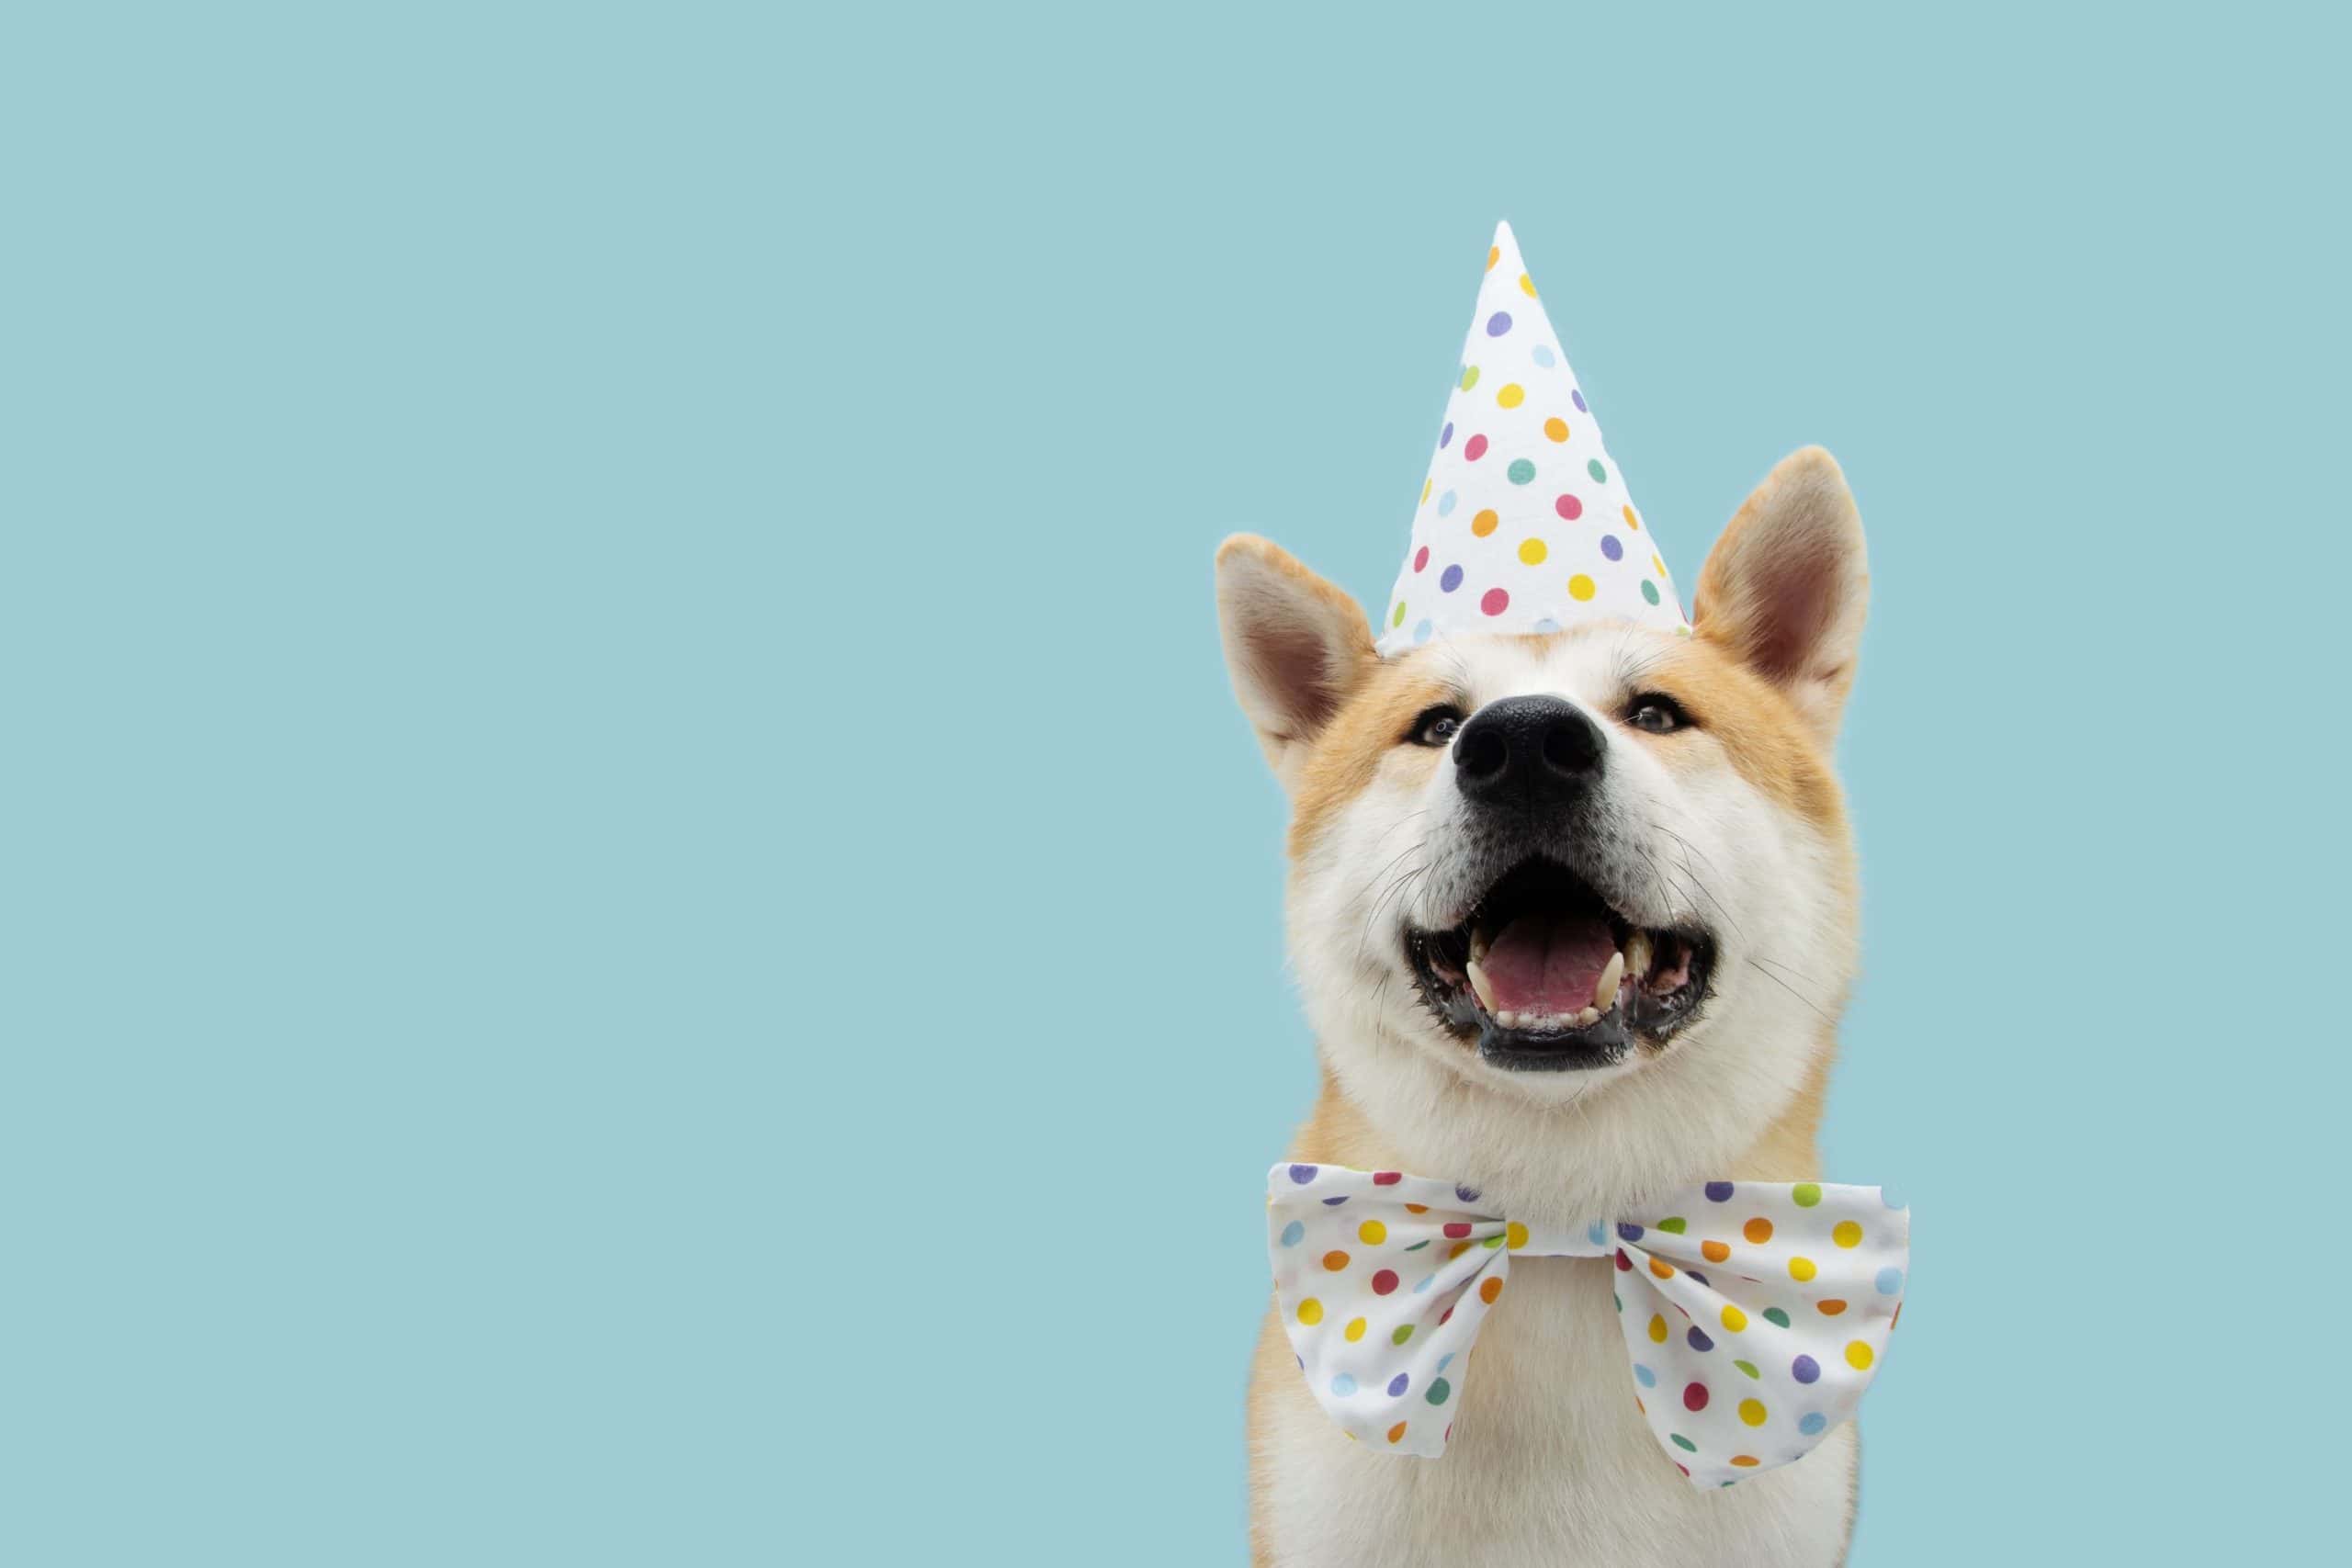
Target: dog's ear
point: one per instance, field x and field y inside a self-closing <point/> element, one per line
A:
<point x="1296" y="645"/>
<point x="1786" y="588"/>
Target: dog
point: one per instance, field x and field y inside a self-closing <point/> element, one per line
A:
<point x="1480" y="828"/>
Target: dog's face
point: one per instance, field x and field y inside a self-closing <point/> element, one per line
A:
<point x="1605" y="868"/>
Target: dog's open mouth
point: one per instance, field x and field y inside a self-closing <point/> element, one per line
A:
<point x="1547" y="977"/>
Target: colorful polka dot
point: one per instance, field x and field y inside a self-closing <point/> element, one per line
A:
<point x="1747" y="1369"/>
<point x="1397" y="1433"/>
<point x="1578" y="398"/>
<point x="1804" y="1368"/>
<point x="1649" y="591"/>
<point x="1398" y="1384"/>
<point x="1469" y="377"/>
<point x="1859" y="1356"/>
<point x="1813" y="1423"/>
<point x="1805" y="1194"/>
<point x="1310" y="1312"/>
<point x="1445" y="504"/>
<point x="1292" y="1233"/>
<point x="1302" y="1174"/>
<point x="1510" y="394"/>
<point x="1695" y="1396"/>
<point x="1829" y="1307"/>
<point x="1757" y="1231"/>
<point x="1697" y="1337"/>
<point x="1473" y="449"/>
<point x="1715" y="1251"/>
<point x="1445" y="436"/>
<point x="1610" y="547"/>
<point x="1398" y="618"/>
<point x="1372" y="1233"/>
<point x="1802" y="1269"/>
<point x="1752" y="1411"/>
<point x="1532" y="551"/>
<point x="1343" y="1385"/>
<point x="1421" y="559"/>
<point x="1447" y="581"/>
<point x="1515" y="1235"/>
<point x="1488" y="1290"/>
<point x="1404" y="1332"/>
<point x="1483" y="524"/>
<point x="1556" y="429"/>
<point x="1734" y="1319"/>
<point x="1776" y="1317"/>
<point x="1520" y="471"/>
<point x="1581" y="588"/>
<point x="1644" y="1376"/>
<point x="1383" y="1281"/>
<point x="1495" y="602"/>
<point x="1440" y="1392"/>
<point x="1656" y="1330"/>
<point x="1527" y="285"/>
<point x="1499" y="323"/>
<point x="1848" y="1233"/>
<point x="1600" y="475"/>
<point x="1568" y="506"/>
<point x="1543" y="356"/>
<point x="1685" y="1444"/>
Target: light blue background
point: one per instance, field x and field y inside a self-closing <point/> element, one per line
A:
<point x="638" y="930"/>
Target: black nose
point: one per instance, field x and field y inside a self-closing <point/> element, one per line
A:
<point x="1542" y="750"/>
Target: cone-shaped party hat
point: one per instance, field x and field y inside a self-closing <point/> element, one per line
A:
<point x="1524" y="523"/>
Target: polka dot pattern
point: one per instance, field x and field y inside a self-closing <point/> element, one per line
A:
<point x="1516" y="436"/>
<point x="1755" y="1314"/>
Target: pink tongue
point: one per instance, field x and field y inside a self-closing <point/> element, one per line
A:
<point x="1538" y="964"/>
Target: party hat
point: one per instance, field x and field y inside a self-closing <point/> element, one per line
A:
<point x="1524" y="523"/>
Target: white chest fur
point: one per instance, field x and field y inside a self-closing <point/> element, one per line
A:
<point x="1550" y="1463"/>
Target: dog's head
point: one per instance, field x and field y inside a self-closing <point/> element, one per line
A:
<point x="1604" y="870"/>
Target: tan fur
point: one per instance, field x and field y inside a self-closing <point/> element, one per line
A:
<point x="1777" y="626"/>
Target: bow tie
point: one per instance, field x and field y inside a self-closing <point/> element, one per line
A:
<point x="1754" y="1312"/>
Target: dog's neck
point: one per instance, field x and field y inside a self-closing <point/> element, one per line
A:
<point x="1627" y="1143"/>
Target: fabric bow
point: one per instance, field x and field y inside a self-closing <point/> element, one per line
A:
<point x="1754" y="1312"/>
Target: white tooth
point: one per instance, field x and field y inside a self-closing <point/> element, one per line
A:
<point x="1479" y="983"/>
<point x="1477" y="944"/>
<point x="1586" y="1016"/>
<point x="1507" y="1019"/>
<point x="1604" y="990"/>
<point x="1637" y="955"/>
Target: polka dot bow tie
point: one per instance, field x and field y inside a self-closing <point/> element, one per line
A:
<point x="1754" y="1312"/>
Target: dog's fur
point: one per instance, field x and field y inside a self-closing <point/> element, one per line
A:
<point x="1735" y="823"/>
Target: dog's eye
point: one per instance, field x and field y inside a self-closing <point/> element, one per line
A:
<point x="1658" y="713"/>
<point x="1436" y="726"/>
